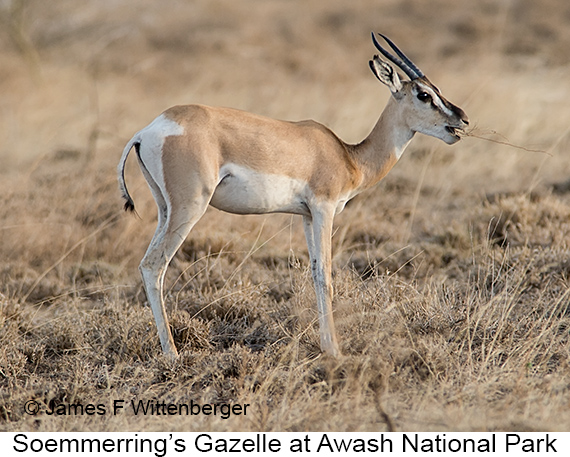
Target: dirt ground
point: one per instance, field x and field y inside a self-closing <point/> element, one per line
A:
<point x="451" y="276"/>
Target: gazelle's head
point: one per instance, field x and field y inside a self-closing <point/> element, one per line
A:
<point x="423" y="107"/>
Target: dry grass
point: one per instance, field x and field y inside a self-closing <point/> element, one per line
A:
<point x="451" y="277"/>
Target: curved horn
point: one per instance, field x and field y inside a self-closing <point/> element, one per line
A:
<point x="404" y="62"/>
<point x="403" y="56"/>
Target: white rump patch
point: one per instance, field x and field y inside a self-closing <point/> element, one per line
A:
<point x="151" y="140"/>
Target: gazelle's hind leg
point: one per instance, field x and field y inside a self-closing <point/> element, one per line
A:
<point x="159" y="198"/>
<point x="166" y="241"/>
<point x="179" y="208"/>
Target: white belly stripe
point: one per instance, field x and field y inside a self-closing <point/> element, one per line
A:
<point x="242" y="190"/>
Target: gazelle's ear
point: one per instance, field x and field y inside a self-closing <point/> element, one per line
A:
<point x="386" y="74"/>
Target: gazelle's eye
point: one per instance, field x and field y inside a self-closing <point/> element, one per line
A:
<point x="424" y="97"/>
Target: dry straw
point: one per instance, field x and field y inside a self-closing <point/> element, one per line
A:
<point x="476" y="132"/>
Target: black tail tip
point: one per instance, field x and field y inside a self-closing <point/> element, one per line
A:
<point x="129" y="205"/>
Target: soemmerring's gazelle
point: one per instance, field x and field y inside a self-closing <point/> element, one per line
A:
<point x="194" y="156"/>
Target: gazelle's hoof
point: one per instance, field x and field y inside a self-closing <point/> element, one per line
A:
<point x="170" y="352"/>
<point x="332" y="351"/>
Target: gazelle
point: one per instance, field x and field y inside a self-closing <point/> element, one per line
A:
<point x="193" y="156"/>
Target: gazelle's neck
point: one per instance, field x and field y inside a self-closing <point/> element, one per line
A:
<point x="382" y="148"/>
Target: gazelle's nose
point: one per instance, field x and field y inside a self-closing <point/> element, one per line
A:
<point x="463" y="117"/>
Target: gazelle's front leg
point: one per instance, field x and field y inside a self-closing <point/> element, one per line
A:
<point x="318" y="231"/>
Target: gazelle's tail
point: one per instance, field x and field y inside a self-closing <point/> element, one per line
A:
<point x="129" y="203"/>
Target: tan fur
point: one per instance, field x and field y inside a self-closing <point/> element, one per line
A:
<point x="304" y="150"/>
<point x="195" y="155"/>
